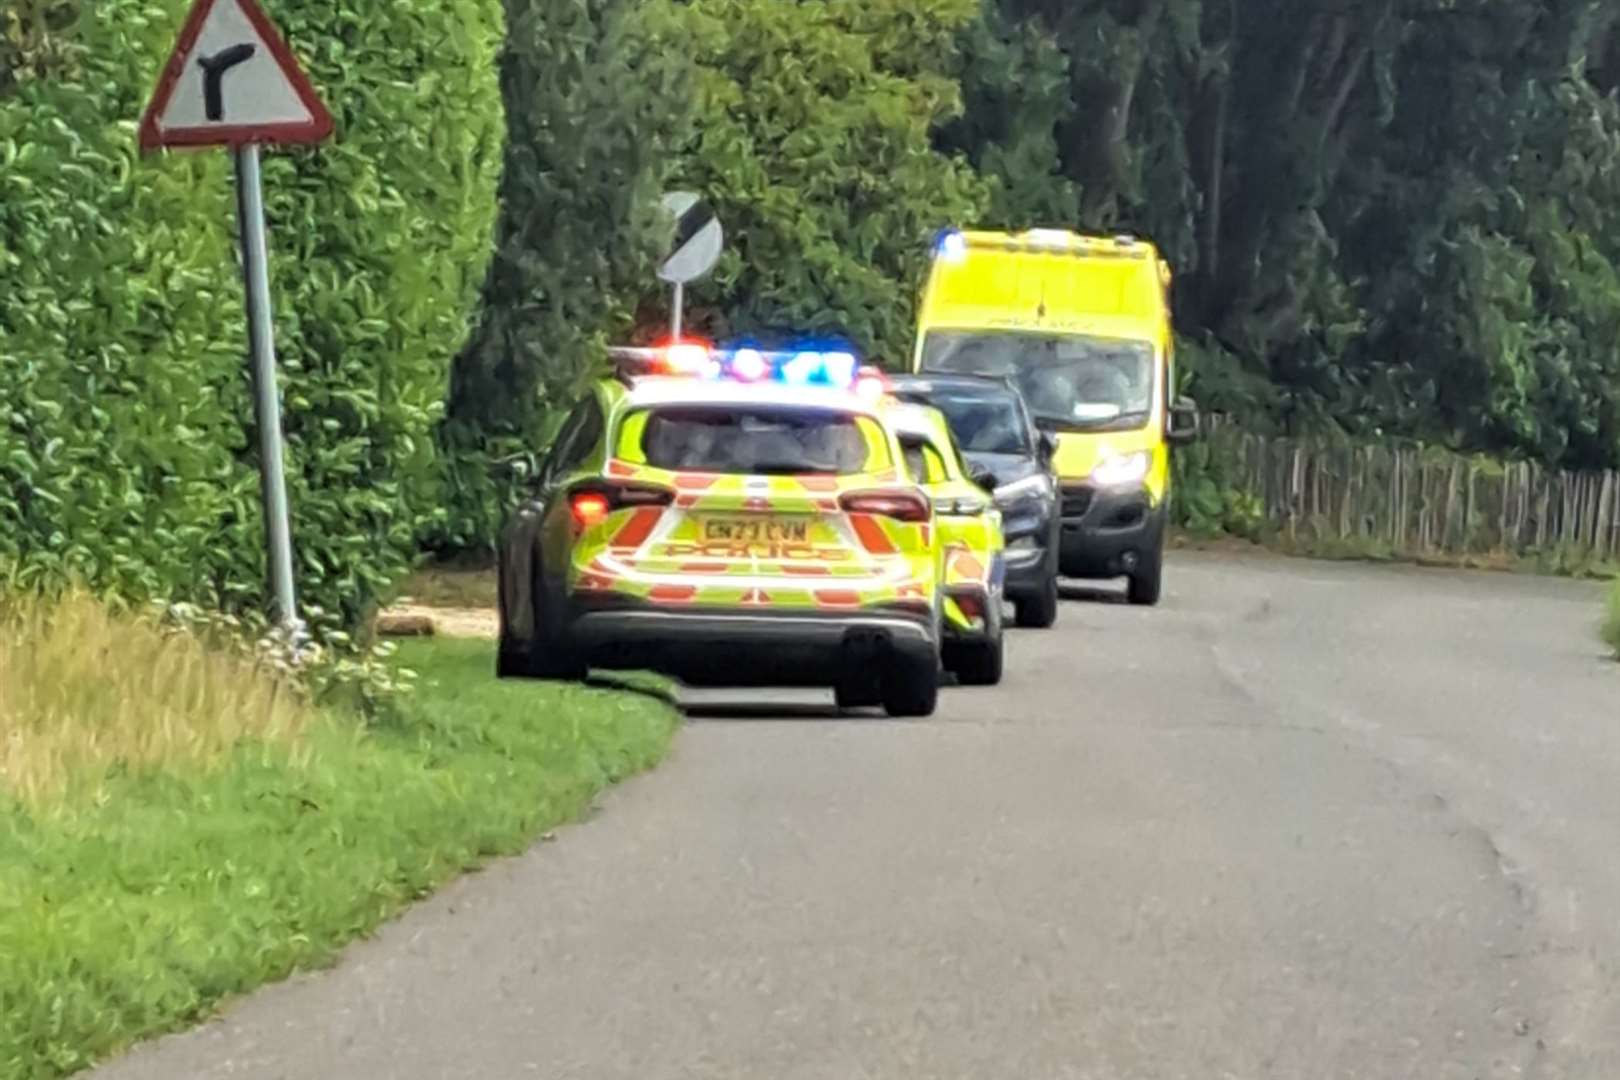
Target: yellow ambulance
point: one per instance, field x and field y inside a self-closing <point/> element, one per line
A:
<point x="1081" y="325"/>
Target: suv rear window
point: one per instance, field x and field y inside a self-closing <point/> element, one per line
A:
<point x="762" y="441"/>
<point x="982" y="422"/>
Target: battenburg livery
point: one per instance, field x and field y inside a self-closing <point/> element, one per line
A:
<point x="734" y="518"/>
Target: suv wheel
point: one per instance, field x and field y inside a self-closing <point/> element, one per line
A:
<point x="1039" y="610"/>
<point x="911" y="684"/>
<point x="978" y="663"/>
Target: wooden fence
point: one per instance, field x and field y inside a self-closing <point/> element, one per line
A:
<point x="1414" y="500"/>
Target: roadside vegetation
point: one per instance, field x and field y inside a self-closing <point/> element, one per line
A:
<point x="179" y="822"/>
<point x="86" y="691"/>
<point x="449" y="268"/>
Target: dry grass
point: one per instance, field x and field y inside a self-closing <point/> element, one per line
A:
<point x="84" y="690"/>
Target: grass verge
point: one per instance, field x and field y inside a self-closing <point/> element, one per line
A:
<point x="136" y="911"/>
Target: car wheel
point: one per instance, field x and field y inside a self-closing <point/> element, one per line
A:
<point x="1038" y="612"/>
<point x="539" y="660"/>
<point x="978" y="663"/>
<point x="1147" y="579"/>
<point x="514" y="661"/>
<point x="911" y="684"/>
<point x="548" y="655"/>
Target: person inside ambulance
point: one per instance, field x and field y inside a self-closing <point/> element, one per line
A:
<point x="1102" y="391"/>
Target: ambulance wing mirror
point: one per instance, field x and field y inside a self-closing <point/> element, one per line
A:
<point x="1184" y="425"/>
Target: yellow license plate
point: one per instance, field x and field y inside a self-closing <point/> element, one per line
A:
<point x="756" y="530"/>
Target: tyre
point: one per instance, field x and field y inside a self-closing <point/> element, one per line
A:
<point x="511" y="662"/>
<point x="911" y="684"/>
<point x="1038" y="611"/>
<point x="548" y="655"/>
<point x="1145" y="581"/>
<point x="857" y="693"/>
<point x="543" y="660"/>
<point x="978" y="663"/>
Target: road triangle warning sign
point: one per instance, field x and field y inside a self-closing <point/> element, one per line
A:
<point x="232" y="80"/>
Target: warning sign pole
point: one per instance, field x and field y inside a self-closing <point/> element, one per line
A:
<point x="232" y="81"/>
<point x="266" y="395"/>
<point x="694" y="248"/>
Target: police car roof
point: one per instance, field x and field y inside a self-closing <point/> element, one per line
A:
<point x="654" y="390"/>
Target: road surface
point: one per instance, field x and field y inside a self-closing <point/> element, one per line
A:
<point x="1304" y="820"/>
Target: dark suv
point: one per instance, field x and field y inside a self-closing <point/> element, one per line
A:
<point x="1008" y="455"/>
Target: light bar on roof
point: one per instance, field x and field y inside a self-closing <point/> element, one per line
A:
<point x="834" y="368"/>
<point x="951" y="246"/>
<point x="1053" y="238"/>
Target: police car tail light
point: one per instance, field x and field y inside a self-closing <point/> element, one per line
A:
<point x="589" y="508"/>
<point x="592" y="505"/>
<point x="908" y="506"/>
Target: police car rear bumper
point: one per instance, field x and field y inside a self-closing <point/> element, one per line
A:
<point x="749" y="648"/>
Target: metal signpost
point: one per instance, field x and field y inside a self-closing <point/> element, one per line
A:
<point x="693" y="251"/>
<point x="231" y="81"/>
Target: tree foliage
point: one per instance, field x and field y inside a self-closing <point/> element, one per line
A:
<point x="593" y="101"/>
<point x="1384" y="216"/>
<point x="126" y="455"/>
<point x="814" y="141"/>
<point x="1397" y="217"/>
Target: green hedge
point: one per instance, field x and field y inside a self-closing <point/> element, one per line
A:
<point x="126" y="450"/>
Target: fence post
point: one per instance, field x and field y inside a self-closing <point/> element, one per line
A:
<point x="1468" y="509"/>
<point x="1543" y="505"/>
<point x="1295" y="497"/>
<point x="1399" y="486"/>
<point x="1614" y="522"/>
<point x="1452" y="502"/>
<point x="1521" y="538"/>
<point x="1349" y="491"/>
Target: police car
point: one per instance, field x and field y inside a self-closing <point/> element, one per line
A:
<point x="730" y="518"/>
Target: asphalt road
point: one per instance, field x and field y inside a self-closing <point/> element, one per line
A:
<point x="1303" y="820"/>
